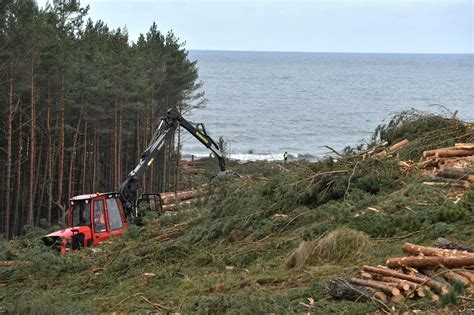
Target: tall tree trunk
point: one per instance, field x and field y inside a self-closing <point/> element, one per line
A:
<point x="152" y="177"/>
<point x="50" y="155"/>
<point x="39" y="201"/>
<point x="116" y="125"/>
<point x="84" y="159"/>
<point x="30" y="209"/>
<point x="165" y="167"/>
<point x="119" y="145"/>
<point x="94" y="162"/>
<point x="145" y="143"/>
<point x="16" y="216"/>
<point x="73" y="153"/>
<point x="138" y="146"/>
<point x="59" y="203"/>
<point x="8" y="161"/>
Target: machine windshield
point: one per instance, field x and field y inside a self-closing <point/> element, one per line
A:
<point x="81" y="214"/>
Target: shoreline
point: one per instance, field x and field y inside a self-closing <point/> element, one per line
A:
<point x="253" y="157"/>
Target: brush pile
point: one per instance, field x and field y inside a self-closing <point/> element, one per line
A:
<point x="429" y="272"/>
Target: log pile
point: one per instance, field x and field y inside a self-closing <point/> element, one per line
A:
<point x="170" y="200"/>
<point x="191" y="167"/>
<point x="450" y="165"/>
<point x="428" y="272"/>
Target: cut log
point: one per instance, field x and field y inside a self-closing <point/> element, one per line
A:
<point x="453" y="277"/>
<point x="430" y="273"/>
<point x="449" y="152"/>
<point x="170" y="197"/>
<point x="398" y="145"/>
<point x="373" y="149"/>
<point x="453" y="153"/>
<point x="468" y="275"/>
<point x="430" y="163"/>
<point x="432" y="251"/>
<point x="397" y="298"/>
<point x="447" y="244"/>
<point x="416" y="279"/>
<point x="459" y="169"/>
<point x="381" y="154"/>
<point x="404" y="285"/>
<point x="434" y="297"/>
<point x="380" y="296"/>
<point x="174" y="206"/>
<point x="382" y="286"/>
<point x="457" y="261"/>
<point x="393" y="148"/>
<point x="429" y="153"/>
<point x="453" y="174"/>
<point x="420" y="292"/>
<point x="343" y="290"/>
<point x="444" y="184"/>
<point x="447" y="180"/>
<point x="464" y="146"/>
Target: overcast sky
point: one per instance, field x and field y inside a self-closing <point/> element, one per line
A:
<point x="398" y="26"/>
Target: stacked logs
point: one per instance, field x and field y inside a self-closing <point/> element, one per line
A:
<point x="429" y="273"/>
<point x="450" y="165"/>
<point x="170" y="200"/>
<point x="191" y="167"/>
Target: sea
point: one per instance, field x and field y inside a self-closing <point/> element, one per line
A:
<point x="266" y="103"/>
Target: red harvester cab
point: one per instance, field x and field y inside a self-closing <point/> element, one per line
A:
<point x="91" y="219"/>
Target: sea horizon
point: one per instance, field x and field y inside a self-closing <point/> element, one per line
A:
<point x="328" y="52"/>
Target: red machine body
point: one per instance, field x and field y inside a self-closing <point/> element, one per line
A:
<point x="91" y="219"/>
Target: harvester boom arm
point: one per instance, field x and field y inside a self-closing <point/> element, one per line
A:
<point x="129" y="190"/>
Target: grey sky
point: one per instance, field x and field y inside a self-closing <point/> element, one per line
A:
<point x="419" y="26"/>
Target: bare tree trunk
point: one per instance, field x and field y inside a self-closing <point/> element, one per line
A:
<point x="84" y="159"/>
<point x="138" y="146"/>
<point x="59" y="203"/>
<point x="119" y="144"/>
<point x="16" y="215"/>
<point x="116" y="125"/>
<point x="50" y="155"/>
<point x="145" y="142"/>
<point x="37" y="177"/>
<point x="94" y="162"/>
<point x="165" y="167"/>
<point x="73" y="153"/>
<point x="154" y="166"/>
<point x="30" y="210"/>
<point x="45" y="186"/>
<point x="8" y="161"/>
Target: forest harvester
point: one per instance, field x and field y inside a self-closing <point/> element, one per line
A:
<point x="94" y="218"/>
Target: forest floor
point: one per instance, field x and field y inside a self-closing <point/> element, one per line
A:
<point x="236" y="250"/>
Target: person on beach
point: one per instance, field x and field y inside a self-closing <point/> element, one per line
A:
<point x="285" y="156"/>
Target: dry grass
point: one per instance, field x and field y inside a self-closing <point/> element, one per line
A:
<point x="334" y="247"/>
